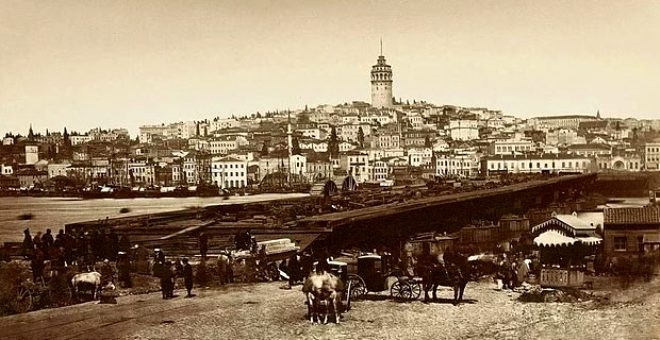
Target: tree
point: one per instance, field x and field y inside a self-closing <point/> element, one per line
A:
<point x="295" y="146"/>
<point x="427" y="142"/>
<point x="360" y="137"/>
<point x="67" y="140"/>
<point x="333" y="143"/>
<point x="264" y="148"/>
<point x="197" y="129"/>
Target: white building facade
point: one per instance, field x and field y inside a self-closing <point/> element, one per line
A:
<point x="228" y="172"/>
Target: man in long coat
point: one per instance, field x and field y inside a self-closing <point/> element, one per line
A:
<point x="188" y="277"/>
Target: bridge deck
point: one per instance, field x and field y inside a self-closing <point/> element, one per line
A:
<point x="343" y="217"/>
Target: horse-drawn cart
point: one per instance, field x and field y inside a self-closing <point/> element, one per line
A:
<point x="264" y="264"/>
<point x="54" y="292"/>
<point x="378" y="273"/>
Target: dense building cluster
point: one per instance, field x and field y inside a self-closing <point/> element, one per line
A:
<point x="384" y="142"/>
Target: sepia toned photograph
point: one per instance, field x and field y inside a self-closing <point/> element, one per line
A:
<point x="258" y="169"/>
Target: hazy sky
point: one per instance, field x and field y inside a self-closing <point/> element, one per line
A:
<point x="83" y="64"/>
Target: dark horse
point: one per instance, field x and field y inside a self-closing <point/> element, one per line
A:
<point x="455" y="273"/>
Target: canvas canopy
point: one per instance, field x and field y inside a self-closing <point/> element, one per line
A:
<point x="554" y="238"/>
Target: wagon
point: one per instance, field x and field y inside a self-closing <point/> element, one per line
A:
<point x="55" y="292"/>
<point x="264" y="265"/>
<point x="377" y="273"/>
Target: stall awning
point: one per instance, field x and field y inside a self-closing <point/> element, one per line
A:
<point x="591" y="241"/>
<point x="651" y="238"/>
<point x="553" y="238"/>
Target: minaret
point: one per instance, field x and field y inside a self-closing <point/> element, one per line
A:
<point x="31" y="134"/>
<point x="381" y="82"/>
<point x="290" y="144"/>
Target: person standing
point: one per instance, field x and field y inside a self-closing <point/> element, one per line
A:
<point x="106" y="246"/>
<point x="124" y="269"/>
<point x="28" y="245"/>
<point x="37" y="264"/>
<point x="293" y="270"/>
<point x="203" y="244"/>
<point x="159" y="263"/>
<point x="114" y="245"/>
<point x="47" y="240"/>
<point x="166" y="280"/>
<point x="223" y="263"/>
<point x="38" y="244"/>
<point x="188" y="277"/>
<point x="124" y="243"/>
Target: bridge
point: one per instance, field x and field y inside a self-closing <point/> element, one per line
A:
<point x="387" y="223"/>
<point x="392" y="222"/>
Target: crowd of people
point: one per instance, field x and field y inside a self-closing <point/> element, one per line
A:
<point x="77" y="249"/>
<point x="514" y="269"/>
<point x="168" y="271"/>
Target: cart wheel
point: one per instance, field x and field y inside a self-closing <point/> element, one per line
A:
<point x="23" y="302"/>
<point x="358" y="287"/>
<point x="58" y="292"/>
<point x="401" y="290"/>
<point x="415" y="289"/>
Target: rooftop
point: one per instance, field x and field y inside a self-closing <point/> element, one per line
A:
<point x="589" y="146"/>
<point x="534" y="156"/>
<point x="571" y="224"/>
<point x="632" y="215"/>
<point x="565" y="117"/>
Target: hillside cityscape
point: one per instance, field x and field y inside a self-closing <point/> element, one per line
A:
<point x="386" y="142"/>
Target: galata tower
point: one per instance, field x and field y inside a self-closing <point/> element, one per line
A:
<point x="381" y="82"/>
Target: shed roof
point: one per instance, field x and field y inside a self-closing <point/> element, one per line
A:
<point x="632" y="215"/>
<point x="571" y="224"/>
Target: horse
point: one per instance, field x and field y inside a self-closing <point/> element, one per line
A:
<point x="91" y="280"/>
<point x="455" y="274"/>
<point x="323" y="289"/>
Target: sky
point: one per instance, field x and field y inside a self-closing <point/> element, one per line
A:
<point x="86" y="64"/>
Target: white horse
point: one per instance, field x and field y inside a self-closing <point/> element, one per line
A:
<point x="323" y="292"/>
<point x="91" y="280"/>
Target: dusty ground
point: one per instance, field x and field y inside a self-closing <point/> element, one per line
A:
<point x="264" y="311"/>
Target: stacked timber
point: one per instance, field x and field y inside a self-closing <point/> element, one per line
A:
<point x="278" y="246"/>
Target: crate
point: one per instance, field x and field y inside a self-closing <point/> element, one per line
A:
<point x="561" y="278"/>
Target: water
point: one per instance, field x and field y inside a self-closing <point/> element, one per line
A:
<point x="54" y="213"/>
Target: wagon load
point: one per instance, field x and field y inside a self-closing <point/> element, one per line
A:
<point x="264" y="265"/>
<point x="283" y="245"/>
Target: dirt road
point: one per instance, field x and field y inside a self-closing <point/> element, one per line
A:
<point x="265" y="311"/>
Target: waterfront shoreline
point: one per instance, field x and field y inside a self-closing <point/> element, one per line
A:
<point x="55" y="212"/>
